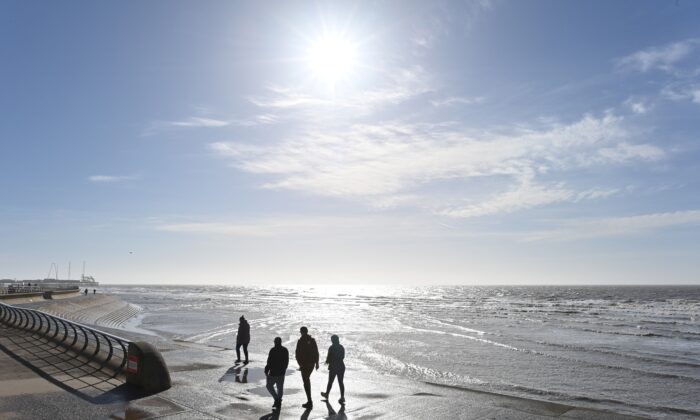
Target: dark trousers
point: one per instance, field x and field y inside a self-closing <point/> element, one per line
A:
<point x="279" y="381"/>
<point x="306" y="378"/>
<point x="340" y="373"/>
<point x="245" y="350"/>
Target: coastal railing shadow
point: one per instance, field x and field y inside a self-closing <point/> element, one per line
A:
<point x="84" y="361"/>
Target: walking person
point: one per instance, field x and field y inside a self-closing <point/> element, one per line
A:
<point x="307" y="357"/>
<point x="336" y="368"/>
<point x="242" y="339"/>
<point x="275" y="369"/>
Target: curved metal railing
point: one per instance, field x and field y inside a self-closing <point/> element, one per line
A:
<point x="38" y="288"/>
<point x="106" y="349"/>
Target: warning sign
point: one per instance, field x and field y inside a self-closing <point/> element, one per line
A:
<point x="132" y="365"/>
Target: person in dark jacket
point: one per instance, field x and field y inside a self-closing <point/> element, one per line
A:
<point x="242" y="339"/>
<point x="336" y="368"/>
<point x="275" y="369"/>
<point x="307" y="357"/>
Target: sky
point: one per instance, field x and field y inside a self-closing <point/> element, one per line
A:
<point x="383" y="142"/>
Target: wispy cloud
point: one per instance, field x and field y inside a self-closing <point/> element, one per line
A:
<point x="682" y="92"/>
<point x="638" y="106"/>
<point x="391" y="161"/>
<point x="206" y="122"/>
<point x="437" y="17"/>
<point x="198" y="122"/>
<point x="110" y="178"/>
<point x="618" y="226"/>
<point x="399" y="86"/>
<point x="457" y="100"/>
<point x="526" y="195"/>
<point x="272" y="226"/>
<point x="660" y="57"/>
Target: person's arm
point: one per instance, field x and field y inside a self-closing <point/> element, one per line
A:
<point x="296" y="353"/>
<point x="316" y="355"/>
<point x="269" y="361"/>
<point x="328" y="356"/>
<point x="285" y="361"/>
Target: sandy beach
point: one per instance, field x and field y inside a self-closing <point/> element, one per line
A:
<point x="207" y="383"/>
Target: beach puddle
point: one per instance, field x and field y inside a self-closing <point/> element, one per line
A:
<point x="192" y="366"/>
<point x="148" y="408"/>
<point x="263" y="392"/>
<point x="243" y="375"/>
<point x="234" y="410"/>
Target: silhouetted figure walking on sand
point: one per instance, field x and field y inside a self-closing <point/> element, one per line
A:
<point x="85" y="292"/>
<point x="336" y="367"/>
<point x="307" y="357"/>
<point x="242" y="339"/>
<point x="275" y="369"/>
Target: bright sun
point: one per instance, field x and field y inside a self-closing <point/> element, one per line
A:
<point x="332" y="58"/>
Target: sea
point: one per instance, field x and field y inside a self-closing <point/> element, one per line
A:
<point x="628" y="349"/>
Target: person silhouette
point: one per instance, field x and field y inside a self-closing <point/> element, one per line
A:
<point x="336" y="368"/>
<point x="275" y="369"/>
<point x="307" y="357"/>
<point x="242" y="339"/>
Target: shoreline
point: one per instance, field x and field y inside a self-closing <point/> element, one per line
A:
<point x="214" y="380"/>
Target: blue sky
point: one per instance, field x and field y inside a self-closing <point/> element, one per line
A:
<point x="483" y="142"/>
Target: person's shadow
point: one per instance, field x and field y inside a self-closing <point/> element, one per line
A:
<point x="305" y="415"/>
<point x="242" y="376"/>
<point x="239" y="373"/>
<point x="332" y="415"/>
<point x="275" y="415"/>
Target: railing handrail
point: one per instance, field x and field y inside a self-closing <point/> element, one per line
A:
<point x="8" y="316"/>
<point x="112" y="336"/>
<point x="12" y="289"/>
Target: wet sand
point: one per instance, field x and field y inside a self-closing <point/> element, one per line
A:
<point x="208" y="384"/>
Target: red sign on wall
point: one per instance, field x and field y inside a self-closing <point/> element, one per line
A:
<point x="132" y="364"/>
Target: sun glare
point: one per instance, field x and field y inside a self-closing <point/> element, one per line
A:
<point x="332" y="58"/>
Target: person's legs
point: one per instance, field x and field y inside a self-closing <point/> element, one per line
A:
<point x="341" y="385"/>
<point x="306" y="378"/>
<point x="280" y="387"/>
<point x="331" y="378"/>
<point x="271" y="380"/>
<point x="245" y="351"/>
<point x="238" y="352"/>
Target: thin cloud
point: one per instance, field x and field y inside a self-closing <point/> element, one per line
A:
<point x="682" y="92"/>
<point x="296" y="225"/>
<point x="205" y="122"/>
<point x="637" y="106"/>
<point x="525" y="196"/>
<point x="618" y="226"/>
<point x="400" y="86"/>
<point x="110" y="178"/>
<point x="198" y="122"/>
<point x="528" y="194"/>
<point x="661" y="57"/>
<point x="388" y="163"/>
<point x="457" y="100"/>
